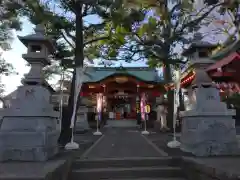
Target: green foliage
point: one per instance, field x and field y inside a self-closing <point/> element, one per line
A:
<point x="233" y="99"/>
<point x="230" y="7"/>
<point x="125" y="30"/>
<point x="154" y="36"/>
<point x="5" y="70"/>
<point x="60" y="24"/>
<point x="9" y="20"/>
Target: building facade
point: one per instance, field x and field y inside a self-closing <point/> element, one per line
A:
<point x="122" y="89"/>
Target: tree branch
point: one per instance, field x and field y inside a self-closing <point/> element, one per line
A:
<point x="95" y="40"/>
<point x="65" y="38"/>
<point x="85" y="11"/>
<point x="198" y="20"/>
<point x="69" y="35"/>
<point x="174" y="8"/>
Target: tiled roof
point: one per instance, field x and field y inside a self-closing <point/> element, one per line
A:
<point x="226" y="51"/>
<point x="95" y="74"/>
<point x="198" y="44"/>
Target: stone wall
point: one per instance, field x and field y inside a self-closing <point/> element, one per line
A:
<point x="198" y="170"/>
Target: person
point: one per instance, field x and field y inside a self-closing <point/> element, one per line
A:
<point x="162" y="116"/>
<point x="111" y="115"/>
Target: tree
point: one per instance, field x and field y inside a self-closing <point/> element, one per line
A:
<point x="75" y="37"/>
<point x="9" y="20"/>
<point x="232" y="8"/>
<point x="167" y="25"/>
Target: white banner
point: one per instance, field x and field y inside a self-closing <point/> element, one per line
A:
<point x="78" y="85"/>
<point x="176" y="94"/>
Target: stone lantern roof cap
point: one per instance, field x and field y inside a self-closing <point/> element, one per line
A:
<point x="199" y="45"/>
<point x="201" y="78"/>
<point x="39" y="37"/>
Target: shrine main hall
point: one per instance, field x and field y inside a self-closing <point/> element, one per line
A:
<point x="121" y="89"/>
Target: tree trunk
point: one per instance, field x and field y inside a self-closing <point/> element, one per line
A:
<point x="181" y="100"/>
<point x="66" y="132"/>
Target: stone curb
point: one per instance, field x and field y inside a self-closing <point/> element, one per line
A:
<point x="198" y="170"/>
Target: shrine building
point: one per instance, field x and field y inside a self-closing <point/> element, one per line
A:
<point x="121" y="89"/>
<point x="225" y="62"/>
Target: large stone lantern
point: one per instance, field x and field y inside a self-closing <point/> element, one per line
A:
<point x="207" y="127"/>
<point x="28" y="129"/>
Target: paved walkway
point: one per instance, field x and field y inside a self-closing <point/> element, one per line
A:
<point x="122" y="142"/>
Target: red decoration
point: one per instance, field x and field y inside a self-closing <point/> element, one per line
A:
<point x="225" y="61"/>
<point x="82" y="93"/>
<point x="156" y="93"/>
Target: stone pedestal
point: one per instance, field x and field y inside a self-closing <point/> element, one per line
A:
<point x="208" y="129"/>
<point x="82" y="122"/>
<point x="28" y="130"/>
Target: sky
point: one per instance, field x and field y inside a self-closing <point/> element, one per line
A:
<point x="14" y="55"/>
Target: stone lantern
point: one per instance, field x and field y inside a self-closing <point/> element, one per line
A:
<point x="207" y="127"/>
<point x="29" y="128"/>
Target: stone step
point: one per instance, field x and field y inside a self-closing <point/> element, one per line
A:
<point x="126" y="162"/>
<point x="150" y="179"/>
<point x="120" y="173"/>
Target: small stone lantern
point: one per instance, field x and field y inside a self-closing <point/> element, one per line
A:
<point x="208" y="128"/>
<point x="198" y="54"/>
<point x="39" y="47"/>
<point x="29" y="128"/>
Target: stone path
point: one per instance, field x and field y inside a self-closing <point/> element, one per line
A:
<point x="123" y="142"/>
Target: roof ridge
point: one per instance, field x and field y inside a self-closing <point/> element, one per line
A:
<point x="123" y="68"/>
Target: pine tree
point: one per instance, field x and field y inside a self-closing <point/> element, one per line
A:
<point x="9" y="21"/>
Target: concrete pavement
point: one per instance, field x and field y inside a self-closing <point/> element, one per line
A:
<point x="123" y="142"/>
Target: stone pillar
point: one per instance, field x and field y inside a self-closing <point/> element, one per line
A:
<point x="208" y="127"/>
<point x="82" y="122"/>
<point x="28" y="129"/>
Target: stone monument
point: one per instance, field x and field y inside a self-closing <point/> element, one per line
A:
<point x="82" y="122"/>
<point x="28" y="129"/>
<point x="208" y="128"/>
<point x="162" y="115"/>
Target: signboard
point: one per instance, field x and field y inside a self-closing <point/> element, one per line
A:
<point x="147" y="109"/>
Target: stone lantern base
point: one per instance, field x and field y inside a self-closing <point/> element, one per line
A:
<point x="29" y="128"/>
<point x="209" y="134"/>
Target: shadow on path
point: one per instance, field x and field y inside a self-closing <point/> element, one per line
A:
<point x="122" y="142"/>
